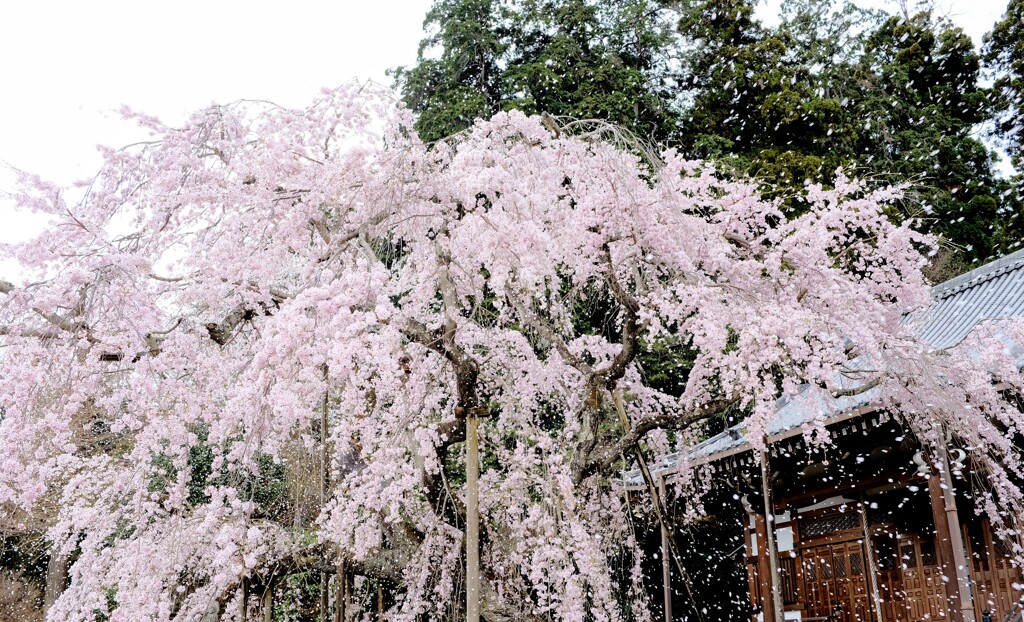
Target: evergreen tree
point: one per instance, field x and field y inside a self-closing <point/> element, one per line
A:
<point x="897" y="98"/>
<point x="1004" y="54"/>
<point x="919" y="103"/>
<point x="463" y="82"/>
<point x="586" y="59"/>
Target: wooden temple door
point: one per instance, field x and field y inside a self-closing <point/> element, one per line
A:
<point x="995" y="579"/>
<point x="924" y="591"/>
<point x="849" y="570"/>
<point x="819" y="588"/>
<point x="835" y="582"/>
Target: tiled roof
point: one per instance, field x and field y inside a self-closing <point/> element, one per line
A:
<point x="990" y="292"/>
<point x="993" y="291"/>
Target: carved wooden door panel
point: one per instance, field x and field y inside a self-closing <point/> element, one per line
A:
<point x="851" y="581"/>
<point x="835" y="581"/>
<point x="819" y="588"/>
<point x="923" y="587"/>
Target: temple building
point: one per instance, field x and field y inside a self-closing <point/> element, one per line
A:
<point x="874" y="526"/>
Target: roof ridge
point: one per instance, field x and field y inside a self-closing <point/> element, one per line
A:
<point x="979" y="275"/>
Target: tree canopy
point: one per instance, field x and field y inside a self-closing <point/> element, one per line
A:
<point x="898" y="98"/>
<point x="262" y="289"/>
<point x="1004" y="53"/>
<point x="577" y="58"/>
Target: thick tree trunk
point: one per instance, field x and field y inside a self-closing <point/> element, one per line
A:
<point x="472" y="520"/>
<point x="56" y="579"/>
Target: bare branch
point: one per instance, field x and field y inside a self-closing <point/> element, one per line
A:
<point x="864" y="388"/>
<point x="668" y="421"/>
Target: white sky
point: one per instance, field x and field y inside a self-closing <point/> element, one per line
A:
<point x="68" y="66"/>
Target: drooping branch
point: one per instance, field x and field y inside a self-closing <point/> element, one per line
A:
<point x="551" y="336"/>
<point x="630" y="326"/>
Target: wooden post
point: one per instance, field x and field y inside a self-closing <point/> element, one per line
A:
<point x="340" y="591"/>
<point x="872" y="567"/>
<point x="773" y="600"/>
<point x="666" y="567"/>
<point x="950" y="546"/>
<point x="380" y="601"/>
<point x="245" y="599"/>
<point x="268" y="601"/>
<point x="472" y="519"/>
<point x="324" y="474"/>
<point x="764" y="581"/>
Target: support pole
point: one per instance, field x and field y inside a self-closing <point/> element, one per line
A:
<point x="380" y="602"/>
<point x="268" y="601"/>
<point x="340" y="591"/>
<point x="245" y="600"/>
<point x="472" y="519"/>
<point x="774" y="599"/>
<point x="666" y="566"/>
<point x="324" y="474"/>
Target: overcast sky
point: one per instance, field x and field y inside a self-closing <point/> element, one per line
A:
<point x="68" y="66"/>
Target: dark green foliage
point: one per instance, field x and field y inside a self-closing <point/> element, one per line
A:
<point x="923" y="104"/>
<point x="666" y="365"/>
<point x="1004" y="55"/>
<point x="579" y="58"/>
<point x="896" y="99"/>
<point x="26" y="555"/>
<point x="266" y="484"/>
<point x="463" y="84"/>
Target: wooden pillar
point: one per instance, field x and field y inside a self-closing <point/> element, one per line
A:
<point x="268" y="601"/>
<point x="872" y="567"/>
<point x="666" y="567"/>
<point x="472" y="519"/>
<point x="773" y="598"/>
<point x="753" y="569"/>
<point x="950" y="545"/>
<point x="764" y="581"/>
<point x="245" y="600"/>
